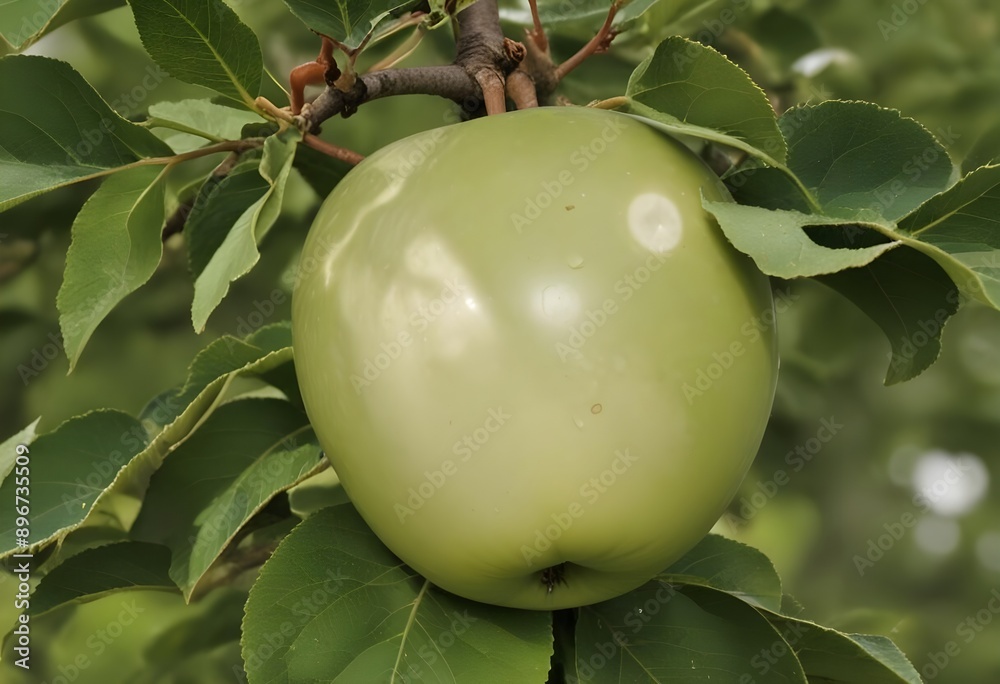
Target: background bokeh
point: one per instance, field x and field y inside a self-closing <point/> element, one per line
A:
<point x="834" y="497"/>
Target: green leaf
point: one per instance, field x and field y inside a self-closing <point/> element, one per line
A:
<point x="22" y="22"/>
<point x="831" y="656"/>
<point x="593" y="12"/>
<point x="178" y="653"/>
<point x="729" y="566"/>
<point x="911" y="298"/>
<point x="70" y="469"/>
<point x="203" y="120"/>
<point x="216" y="364"/>
<point x="9" y="448"/>
<point x="986" y="151"/>
<point x="318" y="492"/>
<point x="56" y="130"/>
<point x="245" y="453"/>
<point x="357" y="614"/>
<point x="693" y="90"/>
<point x="116" y="248"/>
<point x="959" y="229"/>
<point x="904" y="291"/>
<point x="783" y="37"/>
<point x="552" y="12"/>
<point x="321" y="171"/>
<point x="347" y="21"/>
<point x="202" y="42"/>
<point x="768" y="188"/>
<point x="658" y="633"/>
<point x="183" y="411"/>
<point x="95" y="573"/>
<point x="440" y="10"/>
<point x="219" y="205"/>
<point x="632" y="10"/>
<point x="238" y="252"/>
<point x="780" y="246"/>
<point x="862" y="161"/>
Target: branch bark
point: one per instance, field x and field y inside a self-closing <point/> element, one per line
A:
<point x="483" y="59"/>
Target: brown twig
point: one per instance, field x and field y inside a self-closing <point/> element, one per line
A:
<point x="599" y="43"/>
<point x="492" y="87"/>
<point x="521" y="90"/>
<point x="537" y="34"/>
<point x="321" y="70"/>
<point x="480" y="47"/>
<point x="341" y="153"/>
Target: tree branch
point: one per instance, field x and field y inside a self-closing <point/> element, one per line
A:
<point x="451" y="82"/>
<point x="480" y="38"/>
<point x="482" y="56"/>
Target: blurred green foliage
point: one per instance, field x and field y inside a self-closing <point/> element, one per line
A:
<point x="936" y="60"/>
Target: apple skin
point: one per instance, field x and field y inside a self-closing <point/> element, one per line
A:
<point x="524" y="344"/>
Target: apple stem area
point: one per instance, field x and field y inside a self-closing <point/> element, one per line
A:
<point x="553" y="577"/>
<point x="489" y="70"/>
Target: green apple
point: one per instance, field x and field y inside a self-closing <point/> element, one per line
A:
<point x="537" y="366"/>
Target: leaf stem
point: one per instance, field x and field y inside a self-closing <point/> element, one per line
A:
<point x="814" y="206"/>
<point x="157" y="122"/>
<point x="610" y="103"/>
<point x="406" y="630"/>
<point x="224" y="146"/>
<point x="404" y="50"/>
